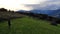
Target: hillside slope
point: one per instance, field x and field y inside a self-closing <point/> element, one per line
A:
<point x="28" y="25"/>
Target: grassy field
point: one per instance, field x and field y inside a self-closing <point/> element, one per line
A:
<point x="27" y="25"/>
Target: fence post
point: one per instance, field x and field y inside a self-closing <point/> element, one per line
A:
<point x="9" y="23"/>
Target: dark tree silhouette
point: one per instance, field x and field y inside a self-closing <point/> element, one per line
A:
<point x="3" y="9"/>
<point x="54" y="22"/>
<point x="49" y="18"/>
<point x="44" y="16"/>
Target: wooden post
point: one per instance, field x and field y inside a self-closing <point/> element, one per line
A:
<point x="9" y="23"/>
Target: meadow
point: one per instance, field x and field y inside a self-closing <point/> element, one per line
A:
<point x="28" y="25"/>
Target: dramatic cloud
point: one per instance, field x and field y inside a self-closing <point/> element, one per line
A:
<point x="18" y="4"/>
<point x="29" y="4"/>
<point x="47" y="5"/>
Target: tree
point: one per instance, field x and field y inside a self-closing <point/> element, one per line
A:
<point x="3" y="9"/>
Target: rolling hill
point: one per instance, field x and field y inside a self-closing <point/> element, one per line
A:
<point x="29" y="25"/>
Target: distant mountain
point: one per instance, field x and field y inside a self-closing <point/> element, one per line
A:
<point x="42" y="11"/>
<point x="21" y="11"/>
<point x="54" y="13"/>
<point x="49" y="12"/>
<point x="57" y="15"/>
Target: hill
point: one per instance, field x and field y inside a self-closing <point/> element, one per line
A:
<point x="29" y="25"/>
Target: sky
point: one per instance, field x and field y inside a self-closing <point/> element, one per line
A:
<point x="30" y="4"/>
<point x="46" y="5"/>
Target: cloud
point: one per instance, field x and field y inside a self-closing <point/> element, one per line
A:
<point x="47" y="5"/>
<point x="30" y="4"/>
<point x="19" y="4"/>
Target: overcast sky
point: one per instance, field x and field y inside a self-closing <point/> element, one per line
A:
<point x="30" y="4"/>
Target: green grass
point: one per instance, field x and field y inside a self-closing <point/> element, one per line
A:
<point x="28" y="25"/>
